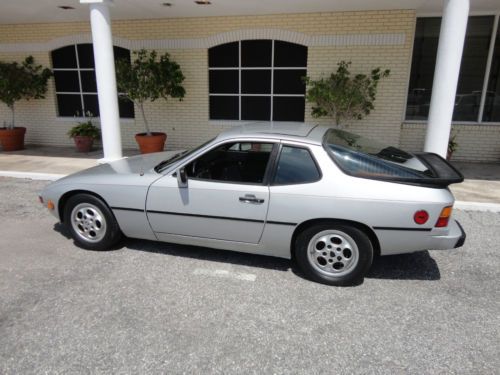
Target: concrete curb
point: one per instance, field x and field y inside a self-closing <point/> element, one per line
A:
<point x="477" y="206"/>
<point x="32" y="175"/>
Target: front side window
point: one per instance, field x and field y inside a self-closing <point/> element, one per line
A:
<point x="237" y="162"/>
<point x="472" y="69"/>
<point x="76" y="87"/>
<point x="296" y="166"/>
<point x="257" y="80"/>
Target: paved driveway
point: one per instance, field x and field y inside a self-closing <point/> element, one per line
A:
<point x="159" y="308"/>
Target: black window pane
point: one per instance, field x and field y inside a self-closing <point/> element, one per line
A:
<point x="88" y="81"/>
<point x="289" y="54"/>
<point x="473" y="68"/>
<point x="296" y="166"/>
<point x="492" y="103"/>
<point x="91" y="104"/>
<point x="121" y="53"/>
<point x="85" y="55"/>
<point x="66" y="81"/>
<point x="256" y="81"/>
<point x="422" y="69"/>
<point x="64" y="57"/>
<point x="256" y="108"/>
<point x="223" y="81"/>
<point x="289" y="81"/>
<point x="225" y="55"/>
<point x="224" y="108"/>
<point x="288" y="108"/>
<point x="256" y="53"/>
<point x="69" y="105"/>
<point x="126" y="108"/>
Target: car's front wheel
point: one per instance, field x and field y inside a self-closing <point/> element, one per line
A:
<point x="333" y="254"/>
<point x="91" y="222"/>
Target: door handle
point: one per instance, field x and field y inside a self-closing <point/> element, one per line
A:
<point x="252" y="199"/>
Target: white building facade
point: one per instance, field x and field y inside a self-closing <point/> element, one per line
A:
<point x="244" y="63"/>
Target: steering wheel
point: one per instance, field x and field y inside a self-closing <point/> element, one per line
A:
<point x="199" y="169"/>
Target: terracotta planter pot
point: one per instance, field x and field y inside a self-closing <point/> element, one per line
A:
<point x="83" y="143"/>
<point x="151" y="143"/>
<point x="12" y="139"/>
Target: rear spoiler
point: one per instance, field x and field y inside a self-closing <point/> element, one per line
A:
<point x="445" y="173"/>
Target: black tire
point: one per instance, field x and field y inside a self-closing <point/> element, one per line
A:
<point x="91" y="223"/>
<point x="333" y="253"/>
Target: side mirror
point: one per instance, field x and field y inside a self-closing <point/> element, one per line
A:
<point x="182" y="179"/>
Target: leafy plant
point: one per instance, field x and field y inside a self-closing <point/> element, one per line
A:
<point x="148" y="78"/>
<point x="22" y="81"/>
<point x="86" y="128"/>
<point x="452" y="144"/>
<point x="343" y="97"/>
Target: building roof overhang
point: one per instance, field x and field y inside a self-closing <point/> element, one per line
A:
<point x="48" y="11"/>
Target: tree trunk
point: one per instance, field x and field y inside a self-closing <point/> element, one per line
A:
<point x="146" y="125"/>
<point x="13" y="124"/>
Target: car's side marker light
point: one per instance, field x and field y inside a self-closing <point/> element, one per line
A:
<point x="444" y="217"/>
<point x="50" y="205"/>
<point x="421" y="217"/>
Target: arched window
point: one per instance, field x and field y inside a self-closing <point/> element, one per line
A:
<point x="76" y="88"/>
<point x="257" y="80"/>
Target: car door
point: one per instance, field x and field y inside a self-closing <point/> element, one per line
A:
<point x="226" y="197"/>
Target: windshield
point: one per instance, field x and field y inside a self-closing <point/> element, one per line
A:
<point x="364" y="157"/>
<point x="167" y="162"/>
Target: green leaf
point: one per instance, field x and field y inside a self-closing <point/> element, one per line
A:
<point x="343" y="97"/>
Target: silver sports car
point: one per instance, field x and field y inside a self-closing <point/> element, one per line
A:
<point x="327" y="198"/>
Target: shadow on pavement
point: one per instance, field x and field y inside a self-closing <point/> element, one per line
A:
<point x="415" y="266"/>
<point x="212" y="255"/>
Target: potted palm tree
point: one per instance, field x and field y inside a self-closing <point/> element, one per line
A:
<point x="84" y="134"/>
<point x="19" y="81"/>
<point x="148" y="78"/>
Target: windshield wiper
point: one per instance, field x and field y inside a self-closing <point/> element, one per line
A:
<point x="165" y="162"/>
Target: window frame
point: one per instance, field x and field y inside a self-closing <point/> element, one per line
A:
<point x="81" y="93"/>
<point x="479" y="119"/>
<point x="268" y="174"/>
<point x="270" y="95"/>
<point x="278" y="156"/>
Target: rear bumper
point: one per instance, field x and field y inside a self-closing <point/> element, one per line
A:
<point x="454" y="239"/>
<point x="461" y="240"/>
<point x="400" y="242"/>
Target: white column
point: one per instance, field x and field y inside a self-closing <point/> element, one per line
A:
<point x="444" y="87"/>
<point x="102" y="39"/>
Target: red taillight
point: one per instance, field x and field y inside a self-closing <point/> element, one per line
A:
<point x="421" y="217"/>
<point x="444" y="217"/>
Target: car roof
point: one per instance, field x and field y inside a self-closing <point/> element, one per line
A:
<point x="294" y="131"/>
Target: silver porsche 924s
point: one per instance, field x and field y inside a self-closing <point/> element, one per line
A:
<point x="328" y="198"/>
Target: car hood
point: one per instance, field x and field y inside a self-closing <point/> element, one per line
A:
<point x="136" y="165"/>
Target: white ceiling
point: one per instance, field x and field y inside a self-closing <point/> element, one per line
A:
<point x="40" y="11"/>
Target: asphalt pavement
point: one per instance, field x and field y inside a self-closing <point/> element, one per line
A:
<point x="159" y="308"/>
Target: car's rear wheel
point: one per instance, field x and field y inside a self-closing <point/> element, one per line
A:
<point x="91" y="222"/>
<point x="334" y="254"/>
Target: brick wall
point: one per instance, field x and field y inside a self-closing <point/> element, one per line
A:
<point x="475" y="142"/>
<point x="186" y="122"/>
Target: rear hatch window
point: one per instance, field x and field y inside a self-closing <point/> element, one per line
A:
<point x="363" y="157"/>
